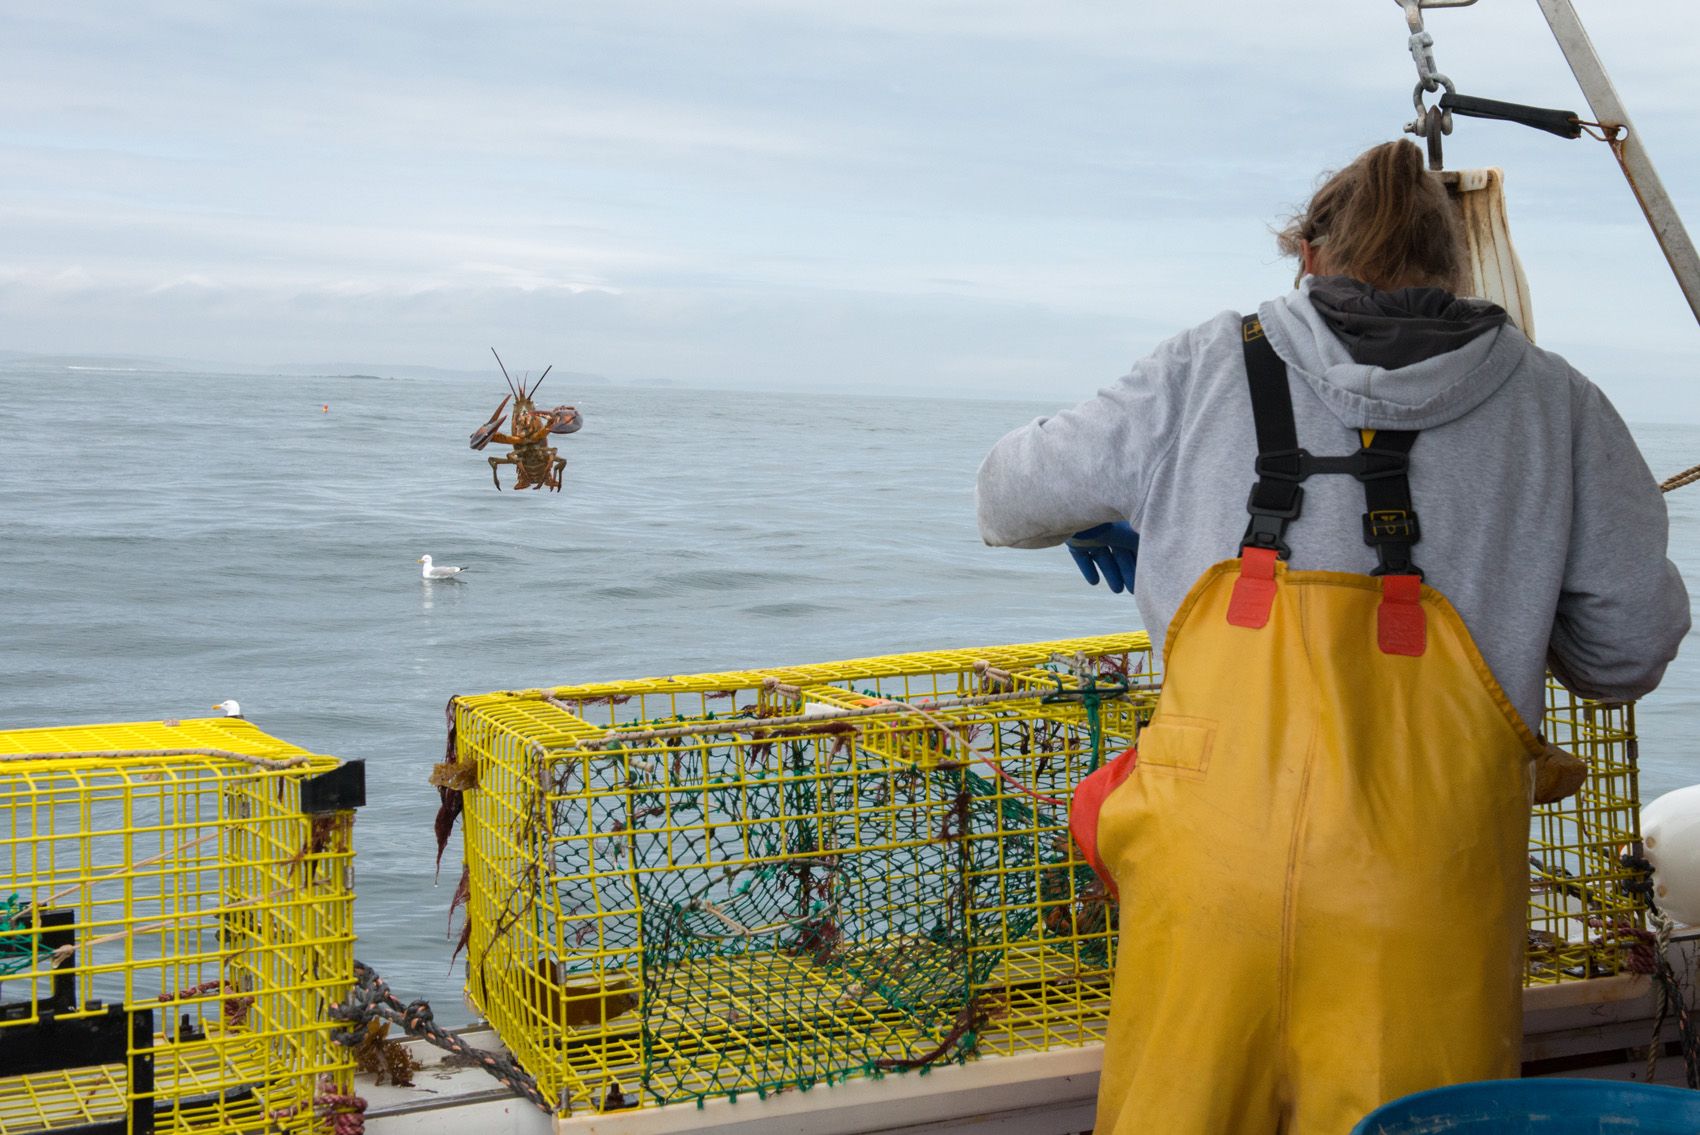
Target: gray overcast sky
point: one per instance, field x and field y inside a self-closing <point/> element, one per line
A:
<point x="937" y="196"/>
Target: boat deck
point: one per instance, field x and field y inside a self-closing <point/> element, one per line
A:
<point x="1596" y="1028"/>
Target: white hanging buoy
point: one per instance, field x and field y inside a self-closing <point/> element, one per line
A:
<point x="1670" y="833"/>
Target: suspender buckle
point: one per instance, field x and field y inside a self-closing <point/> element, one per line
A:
<point x="1391" y="526"/>
<point x="1270" y="511"/>
<point x="1391" y="532"/>
<point x="1377" y="464"/>
<point x="1398" y="565"/>
<point x="1284" y="465"/>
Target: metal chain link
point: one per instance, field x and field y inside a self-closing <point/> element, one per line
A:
<point x="370" y="999"/>
<point x="1429" y="76"/>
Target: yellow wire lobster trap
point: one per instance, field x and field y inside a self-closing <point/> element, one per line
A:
<point x="176" y="922"/>
<point x="747" y="882"/>
<point x="1587" y="899"/>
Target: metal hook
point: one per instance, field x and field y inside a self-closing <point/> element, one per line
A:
<point x="1436" y="161"/>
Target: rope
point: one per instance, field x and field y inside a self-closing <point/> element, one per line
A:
<point x="17" y="950"/>
<point x="1089" y="694"/>
<point x="1686" y="477"/>
<point x="61" y="954"/>
<point x="968" y="747"/>
<point x="1091" y="697"/>
<point x="118" y="873"/>
<point x="765" y="869"/>
<point x="1672" y="1000"/>
<point x="370" y="999"/>
<point x="245" y="758"/>
<point x="762" y="724"/>
<point x="235" y="1008"/>
<point x="962" y="1032"/>
<point x="346" y="1111"/>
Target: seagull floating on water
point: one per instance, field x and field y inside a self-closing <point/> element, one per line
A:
<point x="431" y="572"/>
<point x="230" y="707"/>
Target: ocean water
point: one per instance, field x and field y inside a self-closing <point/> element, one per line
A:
<point x="172" y="540"/>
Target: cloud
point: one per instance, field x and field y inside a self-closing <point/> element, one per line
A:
<point x="763" y="190"/>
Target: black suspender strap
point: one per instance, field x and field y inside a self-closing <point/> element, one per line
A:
<point x="1276" y="497"/>
<point x="1390" y="522"/>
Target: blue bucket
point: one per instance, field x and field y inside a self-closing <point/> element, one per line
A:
<point x="1539" y="1107"/>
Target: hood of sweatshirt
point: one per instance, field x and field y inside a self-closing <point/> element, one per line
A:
<point x="1399" y="328"/>
<point x="1463" y="351"/>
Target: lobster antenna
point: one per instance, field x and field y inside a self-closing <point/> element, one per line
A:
<point x="540" y="379"/>
<point x="509" y="381"/>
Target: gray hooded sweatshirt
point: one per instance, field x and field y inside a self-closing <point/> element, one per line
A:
<point x="1540" y="520"/>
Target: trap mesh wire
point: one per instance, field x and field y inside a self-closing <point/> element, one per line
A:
<point x="733" y="883"/>
<point x="1586" y="913"/>
<point x="758" y="893"/>
<point x="160" y="891"/>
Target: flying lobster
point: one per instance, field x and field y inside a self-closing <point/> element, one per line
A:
<point x="536" y="464"/>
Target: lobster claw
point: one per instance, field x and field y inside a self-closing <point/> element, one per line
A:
<point x="482" y="435"/>
<point x="565" y="420"/>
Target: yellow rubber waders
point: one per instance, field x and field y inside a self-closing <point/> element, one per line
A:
<point x="1321" y="858"/>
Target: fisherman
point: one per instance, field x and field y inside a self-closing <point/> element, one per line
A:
<point x="1321" y="846"/>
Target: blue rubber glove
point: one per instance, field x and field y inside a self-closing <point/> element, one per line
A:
<point x="1110" y="550"/>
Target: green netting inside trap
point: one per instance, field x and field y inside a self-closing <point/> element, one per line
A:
<point x="17" y="937"/>
<point x="824" y="932"/>
<point x="760" y="907"/>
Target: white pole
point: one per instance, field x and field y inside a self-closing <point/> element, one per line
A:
<point x="1631" y="154"/>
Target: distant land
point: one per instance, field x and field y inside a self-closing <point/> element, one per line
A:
<point x="14" y="362"/>
<point x="27" y="360"/>
<point x="402" y="370"/>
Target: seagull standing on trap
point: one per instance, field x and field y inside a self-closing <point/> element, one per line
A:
<point x="432" y="571"/>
